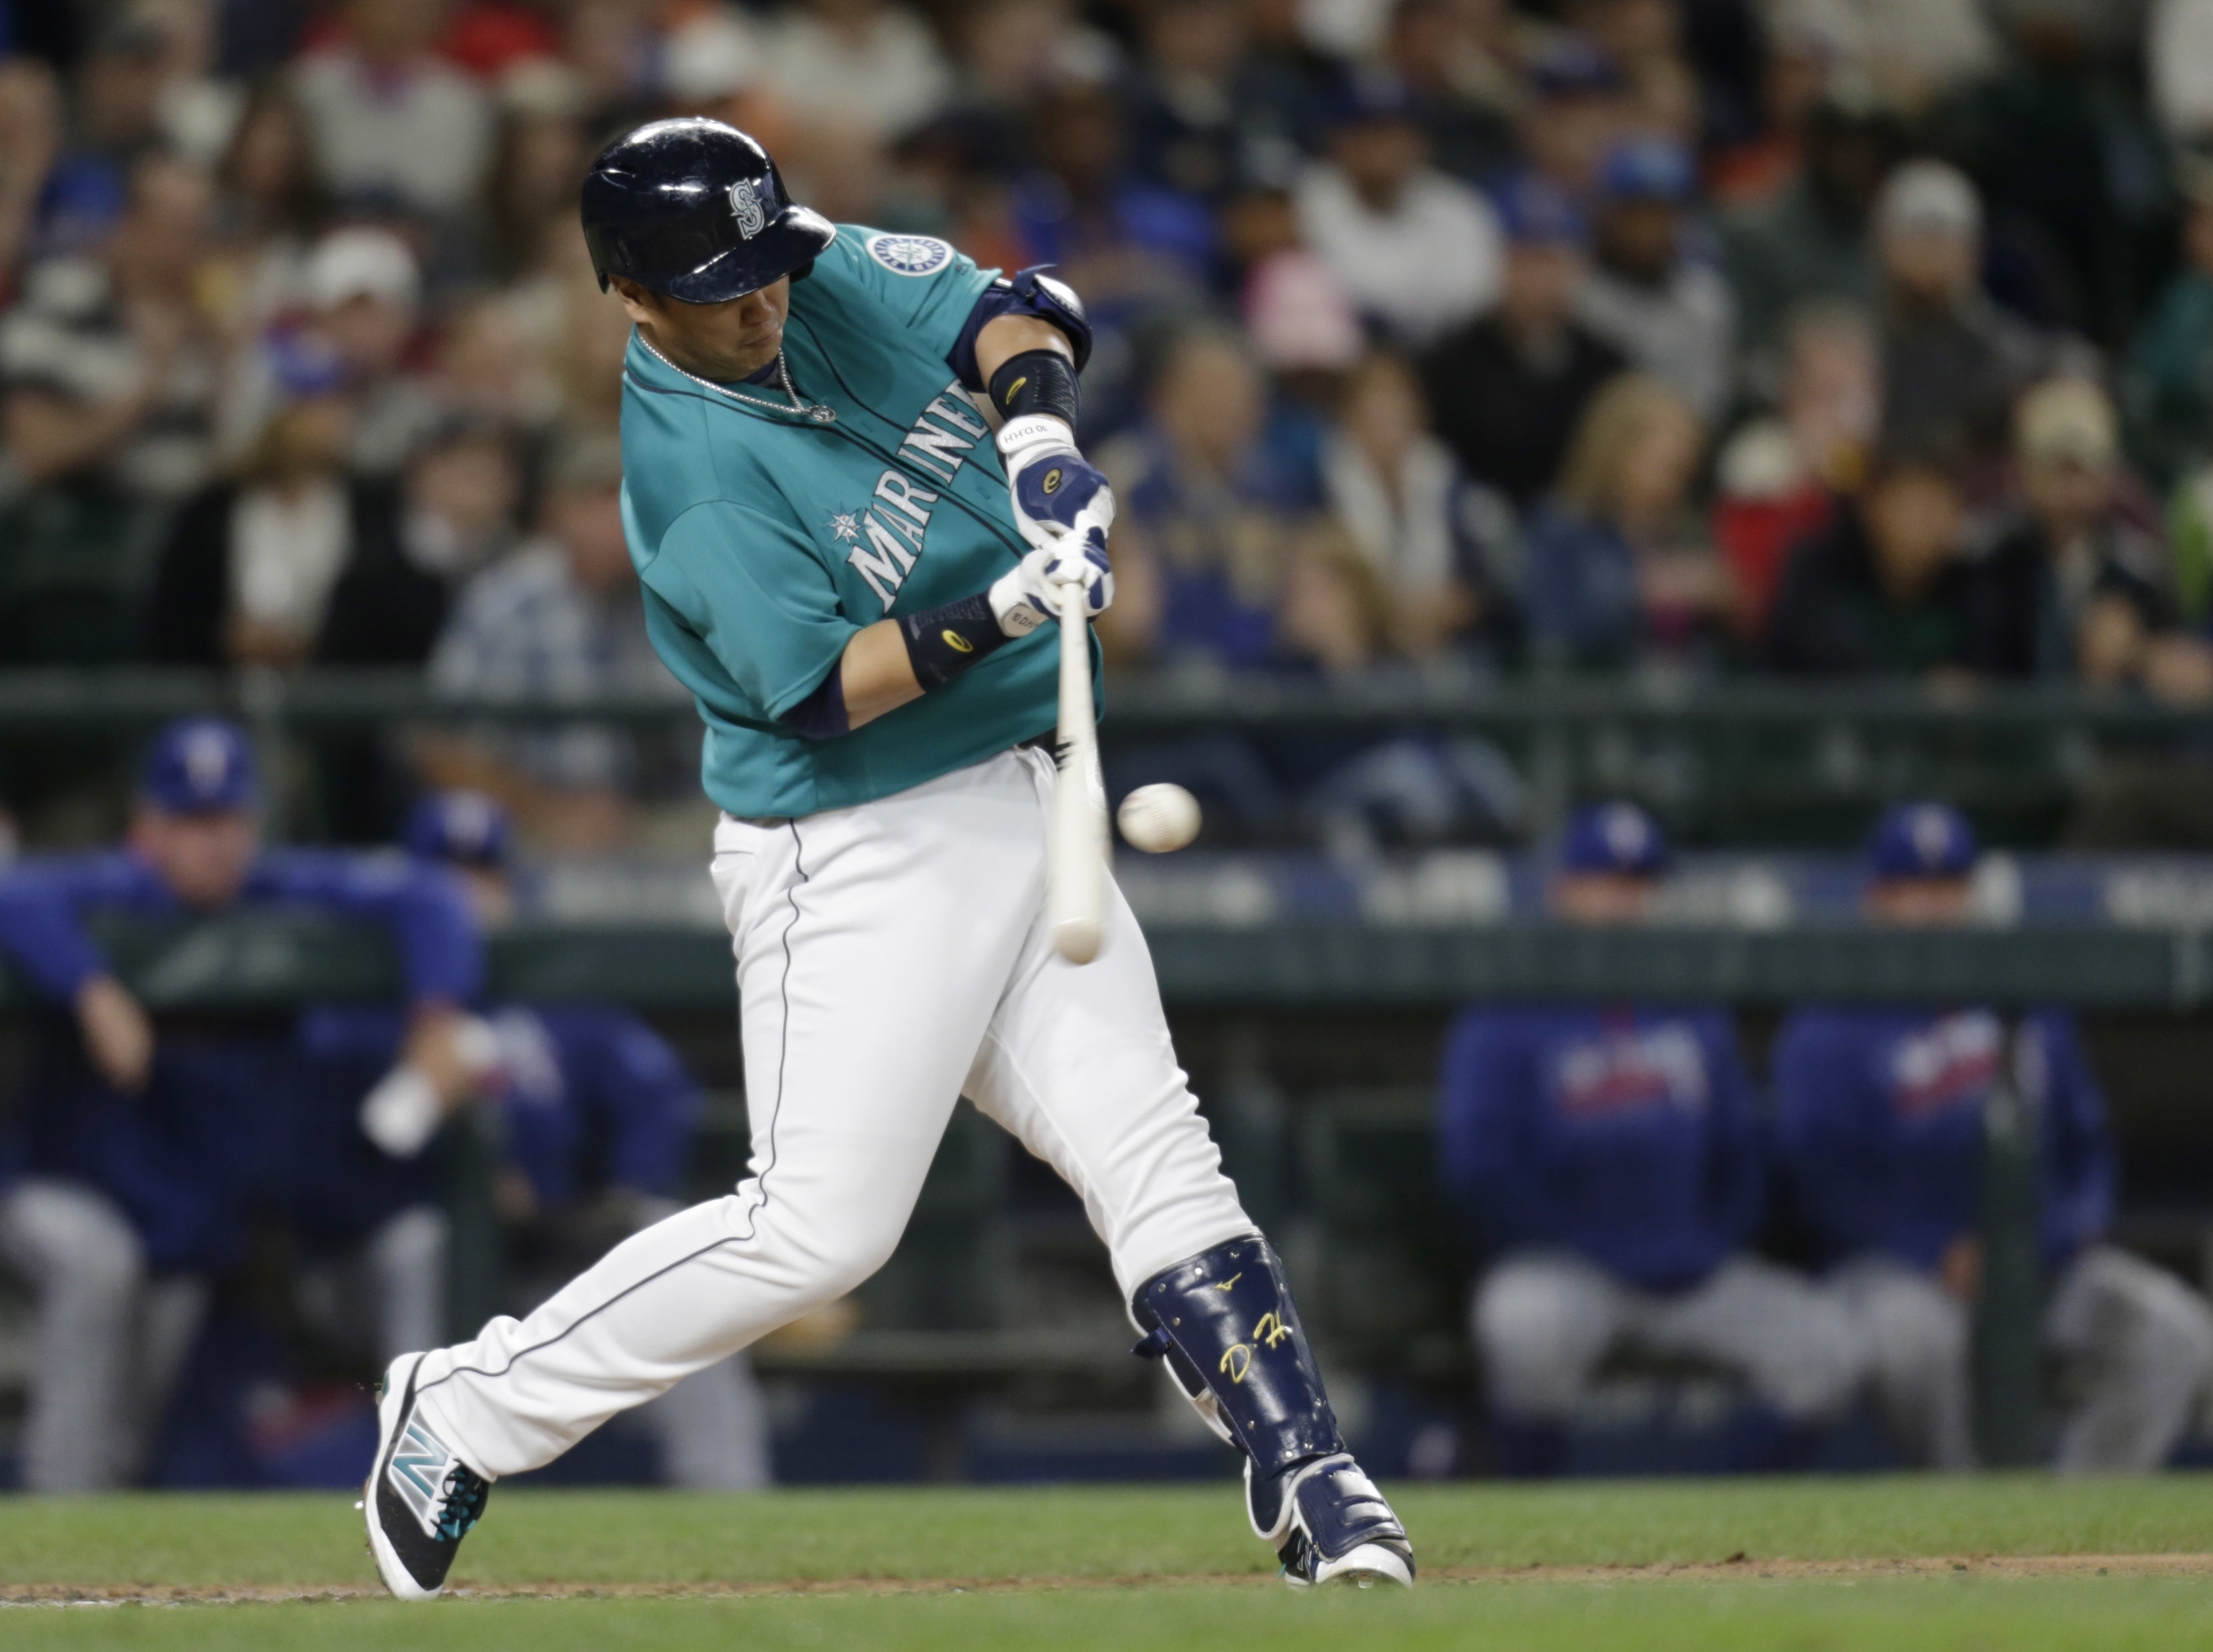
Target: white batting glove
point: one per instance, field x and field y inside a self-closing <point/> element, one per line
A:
<point x="1027" y="594"/>
<point x="1050" y="484"/>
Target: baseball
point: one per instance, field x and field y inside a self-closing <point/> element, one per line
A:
<point x="1157" y="818"/>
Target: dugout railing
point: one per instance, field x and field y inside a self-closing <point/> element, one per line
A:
<point x="1728" y="760"/>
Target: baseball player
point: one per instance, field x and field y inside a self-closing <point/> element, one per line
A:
<point x="1611" y="1158"/>
<point x="1880" y="1124"/>
<point x="124" y="1181"/>
<point x="848" y="569"/>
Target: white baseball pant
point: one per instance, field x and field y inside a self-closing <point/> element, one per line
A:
<point x="892" y="957"/>
<point x="1546" y="1321"/>
<point x="2134" y="1342"/>
<point x="108" y="1338"/>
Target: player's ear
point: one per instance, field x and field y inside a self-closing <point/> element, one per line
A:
<point x="639" y="303"/>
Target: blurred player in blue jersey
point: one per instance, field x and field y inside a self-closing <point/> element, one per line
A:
<point x="126" y="1178"/>
<point x="1881" y="1130"/>
<point x="1611" y="1158"/>
<point x="596" y="1113"/>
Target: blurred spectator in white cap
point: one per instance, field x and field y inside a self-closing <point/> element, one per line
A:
<point x="364" y="291"/>
<point x="708" y="54"/>
<point x="1779" y="477"/>
<point x="1669" y="313"/>
<point x="1432" y="540"/>
<point x="396" y="126"/>
<point x="860" y="61"/>
<point x="1952" y="361"/>
<point x="558" y="618"/>
<point x="1419" y="253"/>
<point x="2075" y="589"/>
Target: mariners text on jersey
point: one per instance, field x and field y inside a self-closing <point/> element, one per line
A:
<point x="887" y="534"/>
<point x="766" y="535"/>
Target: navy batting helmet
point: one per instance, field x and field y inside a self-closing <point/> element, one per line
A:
<point x="695" y="210"/>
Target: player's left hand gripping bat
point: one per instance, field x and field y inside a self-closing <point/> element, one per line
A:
<point x="1075" y="854"/>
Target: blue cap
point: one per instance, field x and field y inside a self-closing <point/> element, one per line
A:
<point x="1535" y="211"/>
<point x="1923" y="840"/>
<point x="302" y="365"/>
<point x="1366" y="95"/>
<point x="1571" y="66"/>
<point x="1648" y="169"/>
<point x="200" y="766"/>
<point x="465" y="827"/>
<point x="1618" y="838"/>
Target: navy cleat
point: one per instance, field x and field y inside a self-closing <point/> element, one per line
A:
<point x="421" y="1499"/>
<point x="1331" y="1526"/>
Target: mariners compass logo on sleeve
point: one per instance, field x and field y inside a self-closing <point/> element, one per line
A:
<point x="909" y="255"/>
<point x="746" y="206"/>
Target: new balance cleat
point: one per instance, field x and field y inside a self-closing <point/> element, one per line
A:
<point x="421" y="1499"/>
<point x="1331" y="1526"/>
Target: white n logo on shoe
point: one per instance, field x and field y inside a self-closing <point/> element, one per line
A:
<point x="419" y="1463"/>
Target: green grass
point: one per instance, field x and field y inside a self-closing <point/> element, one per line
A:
<point x="1160" y="1536"/>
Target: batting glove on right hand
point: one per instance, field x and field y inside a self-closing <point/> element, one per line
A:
<point x="1027" y="594"/>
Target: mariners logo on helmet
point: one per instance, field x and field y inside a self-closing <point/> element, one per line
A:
<point x="909" y="255"/>
<point x="746" y="206"/>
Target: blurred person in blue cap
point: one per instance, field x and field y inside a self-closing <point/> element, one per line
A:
<point x="1451" y="59"/>
<point x="1576" y="110"/>
<point x="1667" y="310"/>
<point x="1609" y="1160"/>
<point x="1881" y="1123"/>
<point x="1418" y="251"/>
<point x="594" y="1114"/>
<point x="141" y="1148"/>
<point x="1506" y="390"/>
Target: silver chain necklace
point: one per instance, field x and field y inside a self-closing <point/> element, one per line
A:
<point x="816" y="410"/>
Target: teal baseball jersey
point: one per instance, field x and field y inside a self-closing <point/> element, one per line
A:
<point x="766" y="535"/>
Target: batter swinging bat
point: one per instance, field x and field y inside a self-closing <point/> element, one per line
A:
<point x="1075" y="857"/>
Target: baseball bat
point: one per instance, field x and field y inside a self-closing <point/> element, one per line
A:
<point x="1075" y="854"/>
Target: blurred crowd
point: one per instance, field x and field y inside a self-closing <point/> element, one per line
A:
<point x="1826" y="337"/>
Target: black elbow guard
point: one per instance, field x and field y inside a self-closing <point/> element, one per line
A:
<point x="1035" y="381"/>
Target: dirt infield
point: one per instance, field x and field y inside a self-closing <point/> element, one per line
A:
<point x="1737" y="1568"/>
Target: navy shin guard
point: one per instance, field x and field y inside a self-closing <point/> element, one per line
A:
<point x="1225" y="1322"/>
